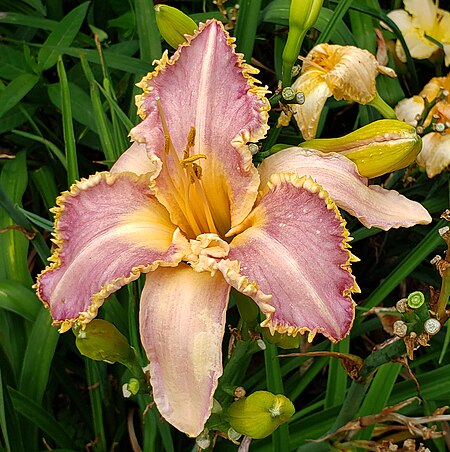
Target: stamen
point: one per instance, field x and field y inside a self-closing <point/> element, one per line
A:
<point x="191" y="198"/>
<point x="167" y="140"/>
<point x="188" y="160"/>
<point x="180" y="177"/>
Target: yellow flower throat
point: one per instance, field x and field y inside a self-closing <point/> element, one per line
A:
<point x="186" y="181"/>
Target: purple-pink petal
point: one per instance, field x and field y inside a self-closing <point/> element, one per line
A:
<point x="108" y="230"/>
<point x="294" y="260"/>
<point x="205" y="85"/>
<point x="371" y="204"/>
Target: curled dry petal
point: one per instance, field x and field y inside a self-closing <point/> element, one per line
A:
<point x="346" y="72"/>
<point x="435" y="154"/>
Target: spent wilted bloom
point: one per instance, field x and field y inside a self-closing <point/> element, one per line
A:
<point x="422" y="23"/>
<point x="186" y="206"/>
<point x="344" y="72"/>
<point x="430" y="110"/>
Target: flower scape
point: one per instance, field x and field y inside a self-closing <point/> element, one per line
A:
<point x="186" y="206"/>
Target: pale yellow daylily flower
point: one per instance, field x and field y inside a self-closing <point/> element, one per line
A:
<point x="345" y="72"/>
<point x="435" y="154"/>
<point x="419" y="20"/>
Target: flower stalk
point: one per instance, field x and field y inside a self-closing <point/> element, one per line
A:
<point x="302" y="16"/>
<point x="382" y="107"/>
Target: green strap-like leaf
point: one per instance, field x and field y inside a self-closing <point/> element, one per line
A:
<point x="63" y="35"/>
<point x="15" y="91"/>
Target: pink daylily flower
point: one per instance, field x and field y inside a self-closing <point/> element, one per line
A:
<point x="186" y="206"/>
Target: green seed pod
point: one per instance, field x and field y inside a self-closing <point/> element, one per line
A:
<point x="259" y="414"/>
<point x="378" y="148"/>
<point x="173" y="24"/>
<point x="416" y="299"/>
<point x="102" y="341"/>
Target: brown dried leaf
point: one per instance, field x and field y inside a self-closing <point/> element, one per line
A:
<point x="351" y="363"/>
<point x="414" y="425"/>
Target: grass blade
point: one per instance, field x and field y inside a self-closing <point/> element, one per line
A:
<point x="40" y="417"/>
<point x="48" y="144"/>
<point x="246" y="25"/>
<point x="62" y="35"/>
<point x="94" y="384"/>
<point x="68" y="133"/>
<point x="19" y="299"/>
<point x="9" y="425"/>
<point x="38" y="357"/>
<point x="337" y="376"/>
<point x="338" y="14"/>
<point x="15" y="91"/>
<point x="149" y="37"/>
<point x="378" y="394"/>
<point x="411" y="261"/>
<point x="280" y="437"/>
<point x="14" y="245"/>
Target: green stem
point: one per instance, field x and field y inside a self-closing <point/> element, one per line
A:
<point x="290" y="54"/>
<point x="383" y="108"/>
<point x="443" y="295"/>
<point x="235" y="368"/>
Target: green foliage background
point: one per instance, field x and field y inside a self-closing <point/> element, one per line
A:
<point x="65" y="112"/>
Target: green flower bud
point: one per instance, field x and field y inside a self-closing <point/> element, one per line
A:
<point x="173" y="24"/>
<point x="259" y="414"/>
<point x="102" y="341"/>
<point x="302" y="16"/>
<point x="378" y="148"/>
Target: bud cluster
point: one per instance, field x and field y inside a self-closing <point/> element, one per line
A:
<point x="417" y="323"/>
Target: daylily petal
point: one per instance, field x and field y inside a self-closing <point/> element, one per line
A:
<point x="423" y="12"/>
<point x="372" y="205"/>
<point x="309" y="279"/>
<point x="136" y="160"/>
<point x="346" y="72"/>
<point x="419" y="46"/>
<point x="316" y="93"/>
<point x="226" y="115"/>
<point x="182" y="321"/>
<point x="409" y="109"/>
<point x="435" y="153"/>
<point x="108" y="230"/>
<point x="447" y="53"/>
